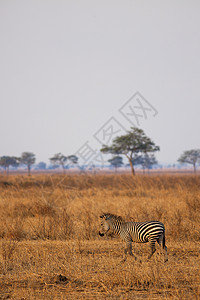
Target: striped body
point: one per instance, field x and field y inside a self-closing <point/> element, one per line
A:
<point x="139" y="232"/>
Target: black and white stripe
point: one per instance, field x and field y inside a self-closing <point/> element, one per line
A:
<point x="139" y="232"/>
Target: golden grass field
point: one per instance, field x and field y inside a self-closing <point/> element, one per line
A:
<point x="50" y="247"/>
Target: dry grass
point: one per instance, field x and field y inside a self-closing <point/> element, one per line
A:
<point x="50" y="248"/>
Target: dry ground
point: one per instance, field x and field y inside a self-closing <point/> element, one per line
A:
<point x="50" y="248"/>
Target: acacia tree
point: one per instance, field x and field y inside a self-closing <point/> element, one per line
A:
<point x="146" y="160"/>
<point x="132" y="144"/>
<point x="73" y="159"/>
<point x="190" y="157"/>
<point x="7" y="161"/>
<point x="59" y="159"/>
<point x="116" y="162"/>
<point x="28" y="159"/>
<point x="41" y="165"/>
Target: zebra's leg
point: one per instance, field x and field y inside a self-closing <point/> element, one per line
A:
<point x="152" y="248"/>
<point x="166" y="257"/>
<point x="128" y="250"/>
<point x="125" y="255"/>
<point x="161" y="242"/>
<point x="165" y="248"/>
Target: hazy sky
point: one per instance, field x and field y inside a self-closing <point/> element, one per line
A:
<point x="67" y="67"/>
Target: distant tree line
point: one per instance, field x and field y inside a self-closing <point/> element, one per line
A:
<point x="134" y="145"/>
<point x="28" y="159"/>
<point x="139" y="150"/>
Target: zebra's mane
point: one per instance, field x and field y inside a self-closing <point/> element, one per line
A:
<point x="111" y="216"/>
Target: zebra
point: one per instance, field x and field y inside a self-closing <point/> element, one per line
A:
<point x="139" y="232"/>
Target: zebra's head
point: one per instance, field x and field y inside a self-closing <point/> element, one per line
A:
<point x="107" y="222"/>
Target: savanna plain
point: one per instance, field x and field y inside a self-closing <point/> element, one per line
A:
<point x="50" y="247"/>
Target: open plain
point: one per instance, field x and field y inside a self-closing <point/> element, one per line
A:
<point x="50" y="248"/>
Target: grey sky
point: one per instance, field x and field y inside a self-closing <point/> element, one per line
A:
<point x="66" y="67"/>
